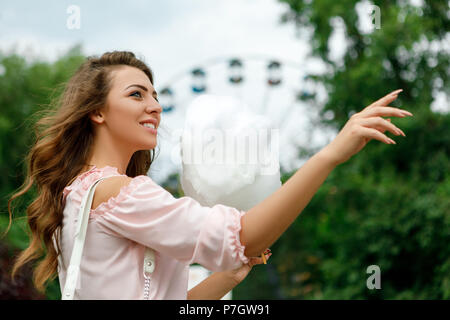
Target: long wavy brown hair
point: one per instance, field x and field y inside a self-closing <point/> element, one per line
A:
<point x="60" y="153"/>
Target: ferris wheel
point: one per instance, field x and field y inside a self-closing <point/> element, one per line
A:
<point x="276" y="88"/>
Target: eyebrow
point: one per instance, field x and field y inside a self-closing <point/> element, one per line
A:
<point x="142" y="87"/>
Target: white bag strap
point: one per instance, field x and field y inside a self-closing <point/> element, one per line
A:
<point x="80" y="236"/>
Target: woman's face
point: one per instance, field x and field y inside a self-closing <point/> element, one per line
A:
<point x="131" y="100"/>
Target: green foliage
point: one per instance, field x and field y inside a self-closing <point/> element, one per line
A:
<point x="389" y="204"/>
<point x="25" y="89"/>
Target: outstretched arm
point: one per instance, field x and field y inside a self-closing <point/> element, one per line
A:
<point x="263" y="224"/>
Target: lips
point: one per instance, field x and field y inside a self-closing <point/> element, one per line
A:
<point x="144" y="125"/>
<point x="151" y="120"/>
<point x="148" y="129"/>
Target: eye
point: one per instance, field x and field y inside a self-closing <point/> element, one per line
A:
<point x="136" y="92"/>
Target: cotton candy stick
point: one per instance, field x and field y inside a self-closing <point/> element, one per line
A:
<point x="264" y="258"/>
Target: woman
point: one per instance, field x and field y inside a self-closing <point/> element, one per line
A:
<point x="98" y="131"/>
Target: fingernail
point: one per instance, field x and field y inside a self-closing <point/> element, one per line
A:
<point x="397" y="91"/>
<point x="392" y="141"/>
<point x="407" y="112"/>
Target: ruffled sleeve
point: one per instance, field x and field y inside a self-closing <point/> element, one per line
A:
<point x="146" y="213"/>
<point x="83" y="181"/>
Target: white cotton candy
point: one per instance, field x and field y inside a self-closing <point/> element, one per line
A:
<point x="215" y="168"/>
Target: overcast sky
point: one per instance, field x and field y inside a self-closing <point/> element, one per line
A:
<point x="173" y="37"/>
<point x="171" y="34"/>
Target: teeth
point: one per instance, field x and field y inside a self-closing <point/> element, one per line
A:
<point x="149" y="125"/>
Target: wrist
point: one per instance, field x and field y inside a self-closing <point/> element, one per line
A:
<point x="328" y="156"/>
<point x="233" y="277"/>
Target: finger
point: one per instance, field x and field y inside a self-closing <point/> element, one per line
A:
<point x="252" y="262"/>
<point x="375" y="134"/>
<point x="256" y="261"/>
<point x="382" y="130"/>
<point x="379" y="122"/>
<point x="387" y="98"/>
<point x="384" y="111"/>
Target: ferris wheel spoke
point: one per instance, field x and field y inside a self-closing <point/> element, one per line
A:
<point x="226" y="74"/>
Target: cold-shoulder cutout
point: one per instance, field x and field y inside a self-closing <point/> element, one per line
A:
<point x="109" y="188"/>
<point x="134" y="213"/>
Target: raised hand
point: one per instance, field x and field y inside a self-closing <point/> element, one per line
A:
<point x="364" y="126"/>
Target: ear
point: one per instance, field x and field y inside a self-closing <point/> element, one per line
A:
<point x="97" y="117"/>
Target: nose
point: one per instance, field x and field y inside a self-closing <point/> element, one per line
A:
<point x="154" y="108"/>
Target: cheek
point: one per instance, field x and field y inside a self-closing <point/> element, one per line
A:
<point x="124" y="121"/>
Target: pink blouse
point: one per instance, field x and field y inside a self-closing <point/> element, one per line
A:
<point x="144" y="214"/>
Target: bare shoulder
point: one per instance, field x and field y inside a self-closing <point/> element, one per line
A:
<point x="109" y="188"/>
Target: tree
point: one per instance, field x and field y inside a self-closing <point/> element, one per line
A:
<point x="388" y="205"/>
<point x="25" y="90"/>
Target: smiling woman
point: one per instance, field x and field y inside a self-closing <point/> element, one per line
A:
<point x="96" y="122"/>
<point x="105" y="127"/>
<point x="99" y="123"/>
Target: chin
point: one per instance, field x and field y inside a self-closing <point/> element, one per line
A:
<point x="148" y="147"/>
